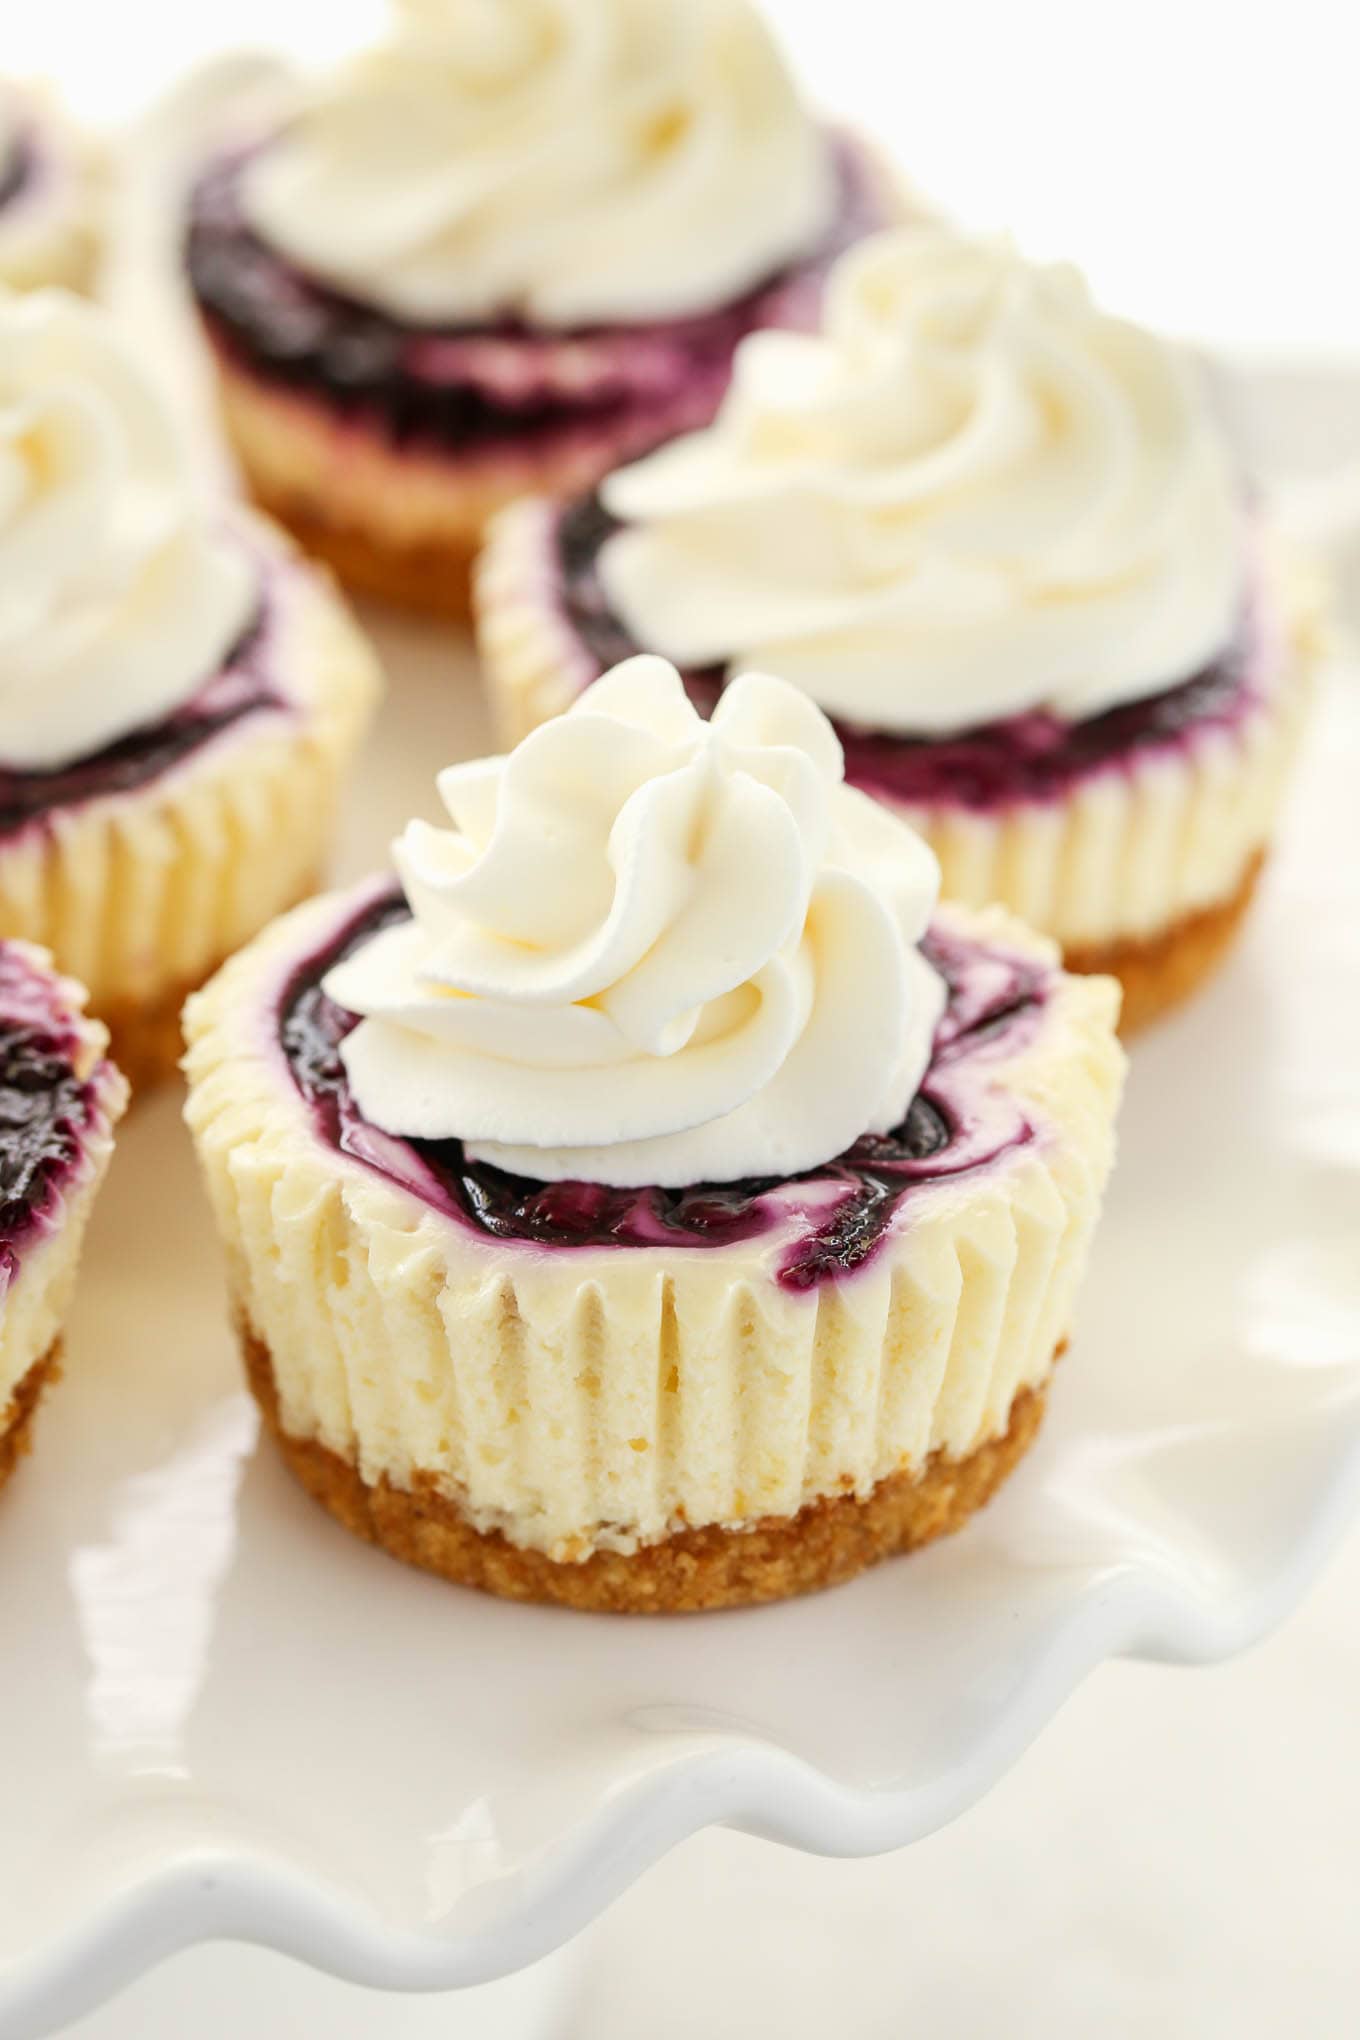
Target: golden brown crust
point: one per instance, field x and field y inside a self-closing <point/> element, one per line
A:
<point x="1159" y="971"/>
<point x="145" y="1039"/>
<point x="16" y="1422"/>
<point x="826" y="1543"/>
<point x="397" y="524"/>
<point x="435" y="579"/>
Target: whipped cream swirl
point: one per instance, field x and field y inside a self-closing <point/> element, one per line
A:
<point x="565" y="161"/>
<point x="651" y="949"/>
<point x="970" y="496"/>
<point x="117" y="597"/>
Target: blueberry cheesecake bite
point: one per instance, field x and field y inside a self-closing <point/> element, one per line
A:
<point x="654" y="1202"/>
<point x="503" y="251"/>
<point x="50" y="198"/>
<point x="1001" y="539"/>
<point x="60" y="1099"/>
<point x="179" y="692"/>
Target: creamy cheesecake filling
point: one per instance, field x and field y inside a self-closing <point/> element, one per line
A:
<point x="50" y="1100"/>
<point x="831" y="1219"/>
<point x="1032" y="757"/>
<point x="579" y="1397"/>
<point x="455" y="388"/>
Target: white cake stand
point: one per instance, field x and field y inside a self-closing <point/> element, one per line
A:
<point x="225" y="1718"/>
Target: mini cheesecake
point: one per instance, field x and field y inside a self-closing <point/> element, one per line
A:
<point x="1135" y="838"/>
<point x="182" y="694"/>
<point x="60" y="1099"/>
<point x="633" y="1395"/>
<point x="517" y="325"/>
<point x="49" y="194"/>
<point x="1091" y="721"/>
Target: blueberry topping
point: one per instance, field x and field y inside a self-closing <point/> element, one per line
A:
<point x="45" y="1107"/>
<point x="1027" y="757"/>
<point x="241" y="687"/>
<point x="16" y="167"/>
<point x="844" y="1208"/>
<point x="39" y="1105"/>
<point x="416" y="382"/>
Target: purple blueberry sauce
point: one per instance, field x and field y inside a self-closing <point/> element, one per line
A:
<point x="17" y="167"/>
<point x="840" y="1213"/>
<point x="464" y="387"/>
<point x="1033" y="757"/>
<point x="241" y="687"/>
<point x="46" y="1108"/>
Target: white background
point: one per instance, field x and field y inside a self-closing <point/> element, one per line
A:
<point x="1178" y="1856"/>
<point x="1197" y="156"/>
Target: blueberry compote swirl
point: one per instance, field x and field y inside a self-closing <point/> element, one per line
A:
<point x="842" y="1210"/>
<point x="45" y="1107"/>
<point x="295" y="331"/>
<point x="1026" y="757"/>
<point x="242" y="686"/>
<point x="17" y="166"/>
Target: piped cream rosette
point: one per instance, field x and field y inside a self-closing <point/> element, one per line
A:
<point x="652" y="949"/>
<point x="568" y="162"/>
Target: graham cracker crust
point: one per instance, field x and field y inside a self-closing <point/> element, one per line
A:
<point x="145" y="1040"/>
<point x="389" y="521"/>
<point x="826" y="1543"/>
<point x="435" y="579"/>
<point x="16" y="1422"/>
<point x="1158" y="971"/>
<point x="289" y="461"/>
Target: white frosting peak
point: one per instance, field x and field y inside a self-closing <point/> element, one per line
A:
<point x="652" y="949"/>
<point x="570" y="161"/>
<point x="971" y="495"/>
<point x="116" y="598"/>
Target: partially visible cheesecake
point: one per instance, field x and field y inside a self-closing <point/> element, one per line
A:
<point x="60" y="1099"/>
<point x="51" y="197"/>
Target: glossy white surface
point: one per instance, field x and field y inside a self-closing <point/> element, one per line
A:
<point x="235" y="1720"/>
<point x="1174" y="1856"/>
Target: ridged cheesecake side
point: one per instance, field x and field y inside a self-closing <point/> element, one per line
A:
<point x="600" y="1400"/>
